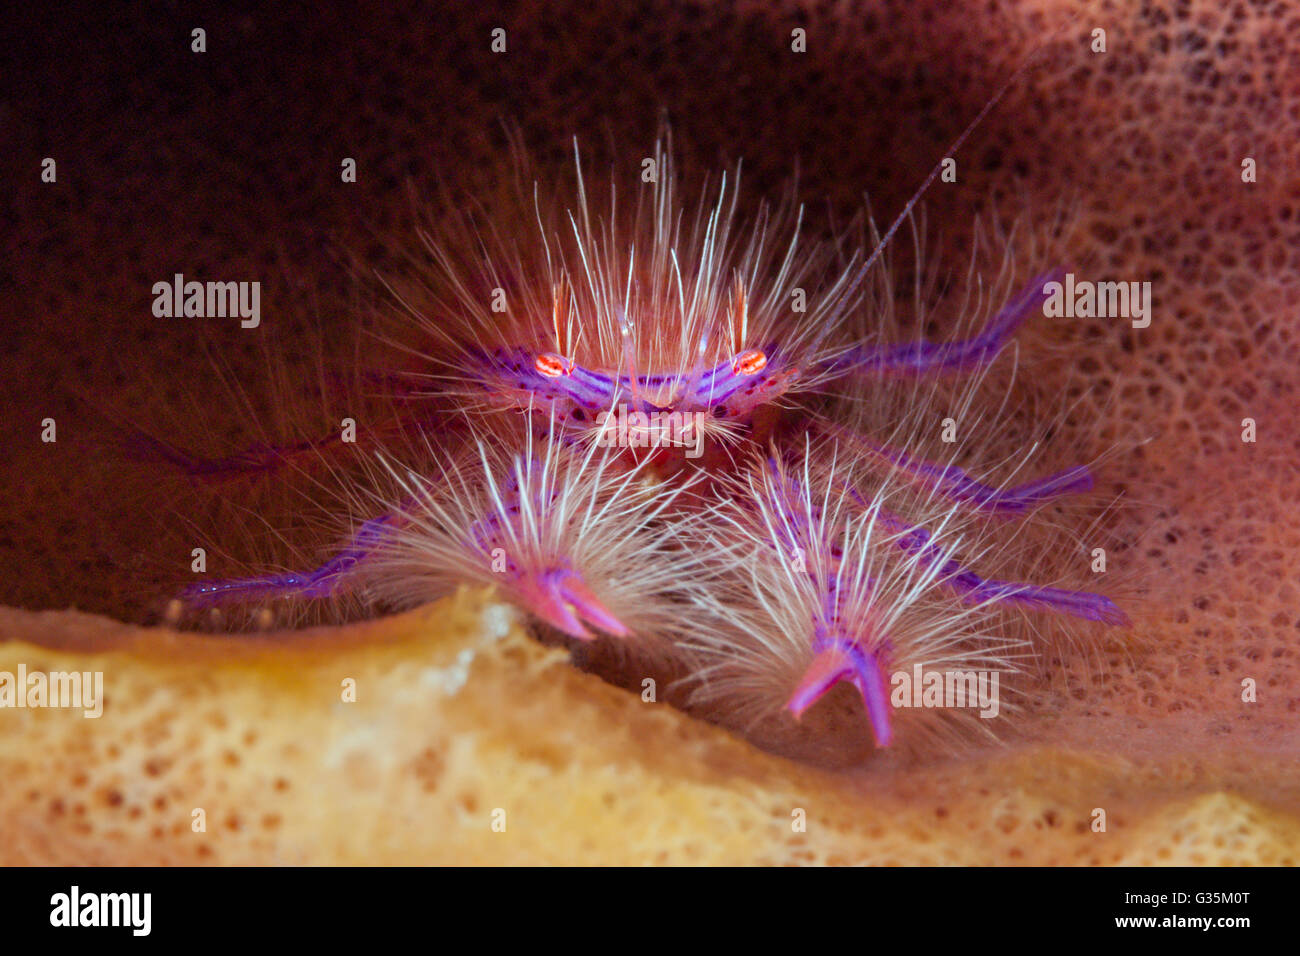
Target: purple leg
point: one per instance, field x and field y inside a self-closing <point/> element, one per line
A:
<point x="322" y="582"/>
<point x="255" y="459"/>
<point x="916" y="540"/>
<point x="974" y="589"/>
<point x="922" y="357"/>
<point x="954" y="484"/>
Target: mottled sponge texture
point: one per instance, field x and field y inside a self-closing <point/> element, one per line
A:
<point x="226" y="165"/>
<point x="447" y="735"/>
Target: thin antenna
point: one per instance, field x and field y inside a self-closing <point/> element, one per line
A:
<point x="957" y="144"/>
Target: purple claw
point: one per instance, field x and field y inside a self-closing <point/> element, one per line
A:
<point x="562" y="599"/>
<point x="837" y="659"/>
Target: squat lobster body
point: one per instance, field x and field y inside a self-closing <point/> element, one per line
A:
<point x="667" y="310"/>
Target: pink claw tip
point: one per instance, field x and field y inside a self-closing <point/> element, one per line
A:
<point x="827" y="669"/>
<point x="562" y="599"/>
<point x="843" y="660"/>
<point x="589" y="607"/>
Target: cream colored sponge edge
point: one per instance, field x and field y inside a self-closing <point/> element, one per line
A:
<point x="448" y="736"/>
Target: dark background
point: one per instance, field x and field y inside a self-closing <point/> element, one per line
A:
<point x="225" y="165"/>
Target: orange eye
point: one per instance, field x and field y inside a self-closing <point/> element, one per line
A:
<point x="749" y="362"/>
<point x="552" y="365"/>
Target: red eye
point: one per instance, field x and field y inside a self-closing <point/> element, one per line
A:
<point x="749" y="362"/>
<point x="552" y="365"/>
